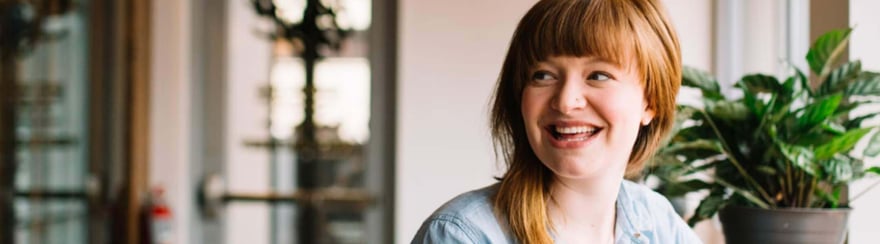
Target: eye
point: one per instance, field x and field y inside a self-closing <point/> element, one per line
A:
<point x="600" y="76"/>
<point x="542" y="77"/>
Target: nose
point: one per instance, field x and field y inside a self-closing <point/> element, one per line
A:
<point x="570" y="96"/>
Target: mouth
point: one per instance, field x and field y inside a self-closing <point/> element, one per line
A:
<point x="571" y="135"/>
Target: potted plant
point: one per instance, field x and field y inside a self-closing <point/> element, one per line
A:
<point x="774" y="161"/>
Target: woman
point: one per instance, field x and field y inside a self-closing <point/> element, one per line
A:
<point x="586" y="93"/>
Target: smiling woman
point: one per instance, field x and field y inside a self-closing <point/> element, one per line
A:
<point x="586" y="93"/>
<point x="582" y="115"/>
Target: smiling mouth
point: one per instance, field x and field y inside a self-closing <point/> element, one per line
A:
<point x="572" y="133"/>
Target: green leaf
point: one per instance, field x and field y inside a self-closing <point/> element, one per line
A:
<point x="778" y="111"/>
<point x="874" y="170"/>
<point x="838" y="80"/>
<point x="685" y="112"/>
<point x="688" y="151"/>
<point x="826" y="50"/>
<point x="659" y="161"/>
<point x="800" y="157"/>
<point x="833" y="128"/>
<point x="857" y="122"/>
<point x="797" y="82"/>
<point x="747" y="195"/>
<point x="840" y="144"/>
<point x="816" y="137"/>
<point x="789" y="85"/>
<point x="873" y="148"/>
<point x="701" y="144"/>
<point x="675" y="189"/>
<point x="839" y="169"/>
<point x="702" y="168"/>
<point x="759" y="83"/>
<point x="754" y="104"/>
<point x="702" y="80"/>
<point x="805" y="83"/>
<point x="832" y="198"/>
<point x="708" y="207"/>
<point x="847" y="107"/>
<point x="819" y="111"/>
<point x="693" y="133"/>
<point x="867" y="84"/>
<point x="728" y="110"/>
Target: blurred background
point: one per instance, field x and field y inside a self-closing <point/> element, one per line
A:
<point x="302" y="121"/>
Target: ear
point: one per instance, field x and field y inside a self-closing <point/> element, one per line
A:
<point x="647" y="116"/>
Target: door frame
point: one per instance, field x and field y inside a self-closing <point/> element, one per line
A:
<point x="119" y="75"/>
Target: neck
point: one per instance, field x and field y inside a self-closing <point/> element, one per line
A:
<point x="584" y="211"/>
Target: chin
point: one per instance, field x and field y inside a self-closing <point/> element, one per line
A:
<point x="576" y="169"/>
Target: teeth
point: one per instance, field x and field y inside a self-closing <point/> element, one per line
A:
<point x="574" y="130"/>
<point x="580" y="138"/>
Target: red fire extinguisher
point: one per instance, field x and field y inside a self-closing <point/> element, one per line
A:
<point x="161" y="218"/>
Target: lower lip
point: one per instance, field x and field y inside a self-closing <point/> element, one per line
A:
<point x="563" y="143"/>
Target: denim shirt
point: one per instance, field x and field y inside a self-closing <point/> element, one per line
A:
<point x="643" y="216"/>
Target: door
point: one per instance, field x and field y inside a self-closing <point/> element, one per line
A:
<point x="67" y="126"/>
<point x="260" y="181"/>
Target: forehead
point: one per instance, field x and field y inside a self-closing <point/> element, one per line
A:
<point x="580" y="60"/>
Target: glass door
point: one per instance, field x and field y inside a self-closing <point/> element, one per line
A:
<point x="47" y="130"/>
<point x="66" y="118"/>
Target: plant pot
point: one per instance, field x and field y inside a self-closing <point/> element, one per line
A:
<point x="788" y="225"/>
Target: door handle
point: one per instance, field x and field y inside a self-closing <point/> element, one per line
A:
<point x="91" y="191"/>
<point x="213" y="196"/>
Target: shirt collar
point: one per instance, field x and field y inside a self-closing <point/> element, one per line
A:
<point x="633" y="219"/>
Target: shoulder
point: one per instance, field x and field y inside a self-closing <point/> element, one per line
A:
<point x="467" y="218"/>
<point x="476" y="202"/>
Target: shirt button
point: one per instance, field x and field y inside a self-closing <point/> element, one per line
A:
<point x="637" y="235"/>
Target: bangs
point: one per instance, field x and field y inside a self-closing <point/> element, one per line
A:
<point x="579" y="28"/>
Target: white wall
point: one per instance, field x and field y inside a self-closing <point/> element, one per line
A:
<point x="863" y="46"/>
<point x="450" y="54"/>
<point x="247" y="168"/>
<point x="170" y="110"/>
<point x="693" y="22"/>
<point x="761" y="42"/>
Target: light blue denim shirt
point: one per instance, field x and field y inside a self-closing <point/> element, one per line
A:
<point x="643" y="216"/>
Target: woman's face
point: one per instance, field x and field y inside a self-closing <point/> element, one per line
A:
<point x="582" y="115"/>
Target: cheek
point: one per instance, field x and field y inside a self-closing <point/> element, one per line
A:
<point x="623" y="109"/>
<point x="531" y="107"/>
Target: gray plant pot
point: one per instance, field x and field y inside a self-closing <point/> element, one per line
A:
<point x="788" y="225"/>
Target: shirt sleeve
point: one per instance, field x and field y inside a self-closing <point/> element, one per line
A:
<point x="445" y="229"/>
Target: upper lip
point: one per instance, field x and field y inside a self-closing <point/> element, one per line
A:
<point x="571" y="123"/>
